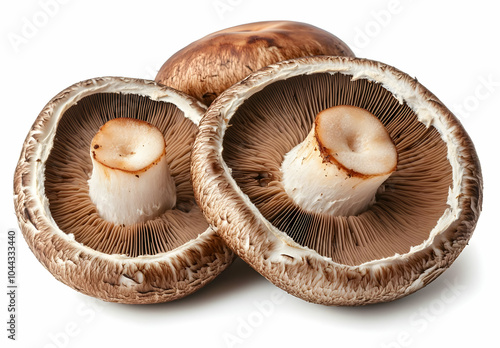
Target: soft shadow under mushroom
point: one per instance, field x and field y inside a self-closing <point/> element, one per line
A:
<point x="395" y="242"/>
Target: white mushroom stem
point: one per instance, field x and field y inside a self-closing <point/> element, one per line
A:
<point x="130" y="181"/>
<point x="340" y="165"/>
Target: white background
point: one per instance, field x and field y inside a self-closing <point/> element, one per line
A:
<point x="452" y="47"/>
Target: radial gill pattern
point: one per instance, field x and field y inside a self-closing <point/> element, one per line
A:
<point x="270" y="123"/>
<point x="69" y="166"/>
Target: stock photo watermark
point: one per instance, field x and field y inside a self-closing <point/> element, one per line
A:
<point x="85" y="313"/>
<point x="380" y="20"/>
<point x="484" y="89"/>
<point x="30" y="25"/>
<point x="425" y="315"/>
<point x="247" y="325"/>
<point x="12" y="291"/>
<point x="223" y="7"/>
<point x="150" y="72"/>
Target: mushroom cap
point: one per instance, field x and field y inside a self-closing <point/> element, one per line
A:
<point x="208" y="66"/>
<point x="144" y="278"/>
<point x="303" y="271"/>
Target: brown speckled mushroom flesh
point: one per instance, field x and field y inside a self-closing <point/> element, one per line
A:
<point x="208" y="66"/>
<point x="412" y="222"/>
<point x="161" y="258"/>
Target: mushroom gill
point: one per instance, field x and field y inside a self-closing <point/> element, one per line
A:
<point x="69" y="167"/>
<point x="407" y="206"/>
<point x="169" y="255"/>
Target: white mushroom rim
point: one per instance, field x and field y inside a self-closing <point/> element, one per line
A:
<point x="401" y="89"/>
<point x="43" y="148"/>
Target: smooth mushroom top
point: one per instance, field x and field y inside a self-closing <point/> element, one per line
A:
<point x="208" y="66"/>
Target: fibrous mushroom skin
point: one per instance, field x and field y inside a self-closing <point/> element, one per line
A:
<point x="155" y="278"/>
<point x="300" y="270"/>
<point x="208" y="66"/>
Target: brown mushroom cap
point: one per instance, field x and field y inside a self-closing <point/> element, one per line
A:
<point x="213" y="63"/>
<point x="424" y="214"/>
<point x="161" y="260"/>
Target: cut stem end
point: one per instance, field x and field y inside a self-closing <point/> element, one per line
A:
<point x="130" y="181"/>
<point x="340" y="165"/>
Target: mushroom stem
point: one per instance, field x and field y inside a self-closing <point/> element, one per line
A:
<point x="130" y="181"/>
<point x="340" y="165"/>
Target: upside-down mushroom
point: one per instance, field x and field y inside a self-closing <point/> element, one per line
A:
<point x="344" y="180"/>
<point x="103" y="193"/>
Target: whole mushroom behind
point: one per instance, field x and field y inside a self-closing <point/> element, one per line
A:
<point x="208" y="66"/>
